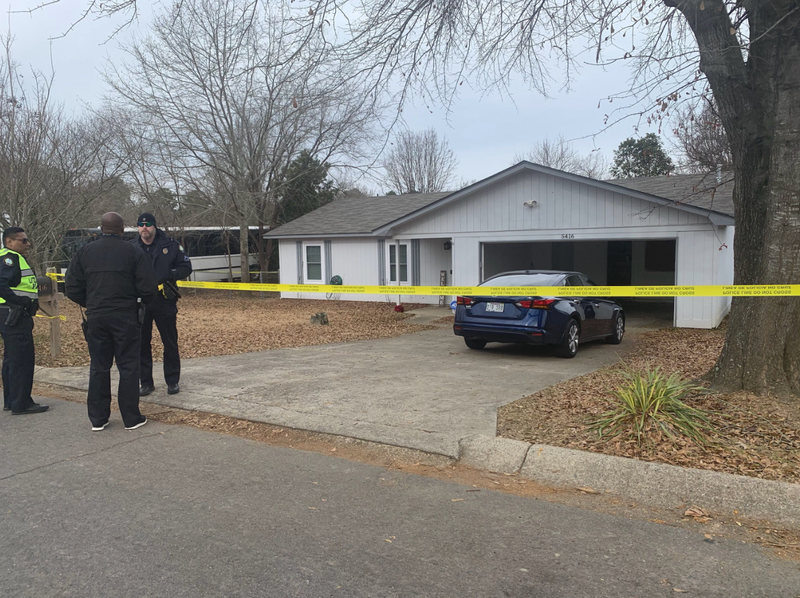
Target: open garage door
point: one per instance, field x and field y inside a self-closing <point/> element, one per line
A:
<point x="617" y="263"/>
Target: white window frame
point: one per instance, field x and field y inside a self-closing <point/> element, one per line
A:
<point x="306" y="278"/>
<point x="391" y="247"/>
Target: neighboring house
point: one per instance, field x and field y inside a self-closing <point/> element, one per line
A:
<point x="651" y="231"/>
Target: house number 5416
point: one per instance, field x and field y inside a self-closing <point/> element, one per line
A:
<point x="568" y="236"/>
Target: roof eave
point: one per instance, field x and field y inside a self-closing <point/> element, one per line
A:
<point x="317" y="235"/>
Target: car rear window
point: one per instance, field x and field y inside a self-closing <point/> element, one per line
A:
<point x="525" y="280"/>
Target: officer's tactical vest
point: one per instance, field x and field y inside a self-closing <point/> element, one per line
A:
<point x="27" y="286"/>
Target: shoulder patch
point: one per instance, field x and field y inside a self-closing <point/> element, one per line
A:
<point x="8" y="261"/>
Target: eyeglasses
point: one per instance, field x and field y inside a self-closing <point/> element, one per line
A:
<point x="24" y="241"/>
<point x="145" y="223"/>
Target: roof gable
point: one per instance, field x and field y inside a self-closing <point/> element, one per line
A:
<point x="684" y="201"/>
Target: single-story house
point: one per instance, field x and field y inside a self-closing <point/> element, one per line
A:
<point x="648" y="231"/>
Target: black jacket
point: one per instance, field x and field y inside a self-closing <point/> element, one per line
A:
<point x="169" y="260"/>
<point x="108" y="275"/>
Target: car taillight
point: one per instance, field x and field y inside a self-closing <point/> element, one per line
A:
<point x="536" y="303"/>
<point x="463" y="301"/>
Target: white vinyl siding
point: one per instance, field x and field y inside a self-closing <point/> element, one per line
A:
<point x="562" y="205"/>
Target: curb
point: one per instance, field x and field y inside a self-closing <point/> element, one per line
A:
<point x="651" y="484"/>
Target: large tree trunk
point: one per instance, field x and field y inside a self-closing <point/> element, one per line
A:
<point x="762" y="345"/>
<point x="759" y="104"/>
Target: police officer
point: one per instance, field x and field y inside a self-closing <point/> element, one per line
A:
<point x="107" y="277"/>
<point x="170" y="264"/>
<point x="18" y="305"/>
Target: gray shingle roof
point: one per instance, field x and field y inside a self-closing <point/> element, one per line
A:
<point x="355" y="215"/>
<point x="364" y="215"/>
<point x="699" y="190"/>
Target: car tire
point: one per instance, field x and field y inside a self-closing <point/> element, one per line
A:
<point x="475" y="343"/>
<point x="619" y="330"/>
<point x="569" y="344"/>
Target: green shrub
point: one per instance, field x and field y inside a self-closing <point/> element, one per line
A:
<point x="650" y="403"/>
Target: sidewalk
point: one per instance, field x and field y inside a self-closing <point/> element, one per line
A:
<point x="427" y="391"/>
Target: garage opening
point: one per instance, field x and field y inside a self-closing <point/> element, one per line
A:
<point x="616" y="263"/>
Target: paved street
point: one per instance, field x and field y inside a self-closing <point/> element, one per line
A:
<point x="173" y="511"/>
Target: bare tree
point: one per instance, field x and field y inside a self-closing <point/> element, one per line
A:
<point x="419" y="162"/>
<point x="742" y="54"/>
<point x="52" y="169"/>
<point x="223" y="95"/>
<point x="701" y="139"/>
<point x="560" y="154"/>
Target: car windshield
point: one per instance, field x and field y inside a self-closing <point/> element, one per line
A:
<point x="525" y="280"/>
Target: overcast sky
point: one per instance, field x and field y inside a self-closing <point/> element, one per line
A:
<point x="485" y="132"/>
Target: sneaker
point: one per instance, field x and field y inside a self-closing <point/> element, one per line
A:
<point x="139" y="425"/>
<point x="146" y="389"/>
<point x="6" y="408"/>
<point x="98" y="428"/>
<point x="173" y="389"/>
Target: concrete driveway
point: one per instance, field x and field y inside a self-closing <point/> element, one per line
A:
<point x="424" y="391"/>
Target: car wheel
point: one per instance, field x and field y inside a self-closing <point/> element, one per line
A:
<point x="569" y="345"/>
<point x="475" y="343"/>
<point x="619" y="330"/>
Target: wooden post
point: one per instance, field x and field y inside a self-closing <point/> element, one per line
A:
<point x="49" y="305"/>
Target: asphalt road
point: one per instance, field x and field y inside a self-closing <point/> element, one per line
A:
<point x="173" y="511"/>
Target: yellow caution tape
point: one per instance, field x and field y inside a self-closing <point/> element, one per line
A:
<point x="598" y="291"/>
<point x="741" y="290"/>
<point x="62" y="318"/>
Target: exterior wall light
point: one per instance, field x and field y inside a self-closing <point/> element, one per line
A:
<point x="530" y="204"/>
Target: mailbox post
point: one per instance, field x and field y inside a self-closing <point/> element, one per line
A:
<point x="48" y="303"/>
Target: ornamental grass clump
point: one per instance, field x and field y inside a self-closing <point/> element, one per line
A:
<point x="649" y="404"/>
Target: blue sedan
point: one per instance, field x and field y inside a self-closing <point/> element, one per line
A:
<point x="563" y="322"/>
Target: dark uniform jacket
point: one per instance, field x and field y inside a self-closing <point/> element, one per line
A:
<point x="11" y="276"/>
<point x="108" y="275"/>
<point x="169" y="261"/>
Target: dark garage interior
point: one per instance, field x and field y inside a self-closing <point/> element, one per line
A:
<point x="614" y="262"/>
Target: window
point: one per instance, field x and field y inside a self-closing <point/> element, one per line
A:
<point x="313" y="263"/>
<point x="403" y="263"/>
<point x="573" y="280"/>
<point x="659" y="256"/>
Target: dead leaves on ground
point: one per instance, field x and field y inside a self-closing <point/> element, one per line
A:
<point x="755" y="436"/>
<point x="215" y="323"/>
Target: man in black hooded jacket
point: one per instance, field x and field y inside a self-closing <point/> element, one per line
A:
<point x="171" y="264"/>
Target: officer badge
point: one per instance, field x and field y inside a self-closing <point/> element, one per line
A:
<point x="165" y="250"/>
<point x="8" y="261"/>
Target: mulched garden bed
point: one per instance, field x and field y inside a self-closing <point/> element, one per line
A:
<point x="755" y="435"/>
